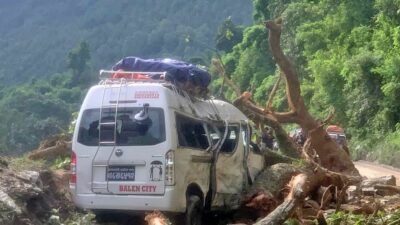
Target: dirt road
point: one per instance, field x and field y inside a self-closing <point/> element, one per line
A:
<point x="371" y="170"/>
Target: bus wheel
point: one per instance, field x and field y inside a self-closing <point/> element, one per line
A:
<point x="194" y="211"/>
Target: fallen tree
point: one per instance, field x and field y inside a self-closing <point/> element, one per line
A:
<point x="326" y="166"/>
<point x="52" y="148"/>
<point x="330" y="154"/>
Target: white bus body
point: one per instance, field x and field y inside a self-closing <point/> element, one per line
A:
<point x="190" y="148"/>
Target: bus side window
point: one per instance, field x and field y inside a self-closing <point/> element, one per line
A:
<point x="191" y="133"/>
<point x="201" y="136"/>
<point x="231" y="140"/>
<point x="187" y="131"/>
<point x="214" y="134"/>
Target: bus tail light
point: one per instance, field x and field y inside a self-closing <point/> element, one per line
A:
<point x="72" y="178"/>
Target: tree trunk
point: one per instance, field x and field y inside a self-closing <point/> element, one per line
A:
<point x="61" y="148"/>
<point x="326" y="164"/>
<point x="331" y="155"/>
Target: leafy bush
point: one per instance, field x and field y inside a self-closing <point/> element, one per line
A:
<point x="379" y="148"/>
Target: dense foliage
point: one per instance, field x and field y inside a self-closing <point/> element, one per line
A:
<point x="67" y="42"/>
<point x="37" y="35"/>
<point x="347" y="55"/>
<point x="38" y="109"/>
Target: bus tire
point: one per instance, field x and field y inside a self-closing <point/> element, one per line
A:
<point x="194" y="211"/>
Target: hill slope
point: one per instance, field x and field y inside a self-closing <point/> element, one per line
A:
<point x="37" y="35"/>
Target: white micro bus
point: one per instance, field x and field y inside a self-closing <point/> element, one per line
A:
<point x="142" y="145"/>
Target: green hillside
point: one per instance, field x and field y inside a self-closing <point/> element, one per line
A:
<point x="36" y="36"/>
<point x="347" y="54"/>
<point x="51" y="52"/>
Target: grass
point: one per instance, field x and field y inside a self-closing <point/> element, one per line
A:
<point x="379" y="218"/>
<point x="77" y="218"/>
<point x="343" y="218"/>
<point x="24" y="163"/>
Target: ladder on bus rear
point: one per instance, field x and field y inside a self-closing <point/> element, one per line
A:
<point x="112" y="104"/>
<point x="103" y="186"/>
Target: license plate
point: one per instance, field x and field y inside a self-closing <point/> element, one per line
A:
<point x="121" y="173"/>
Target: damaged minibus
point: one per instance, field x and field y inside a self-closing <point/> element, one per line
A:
<point x="145" y="144"/>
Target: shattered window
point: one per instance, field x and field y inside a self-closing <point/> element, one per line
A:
<point x="123" y="129"/>
<point x="231" y="140"/>
<point x="191" y="133"/>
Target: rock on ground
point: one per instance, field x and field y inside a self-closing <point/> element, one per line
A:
<point x="31" y="197"/>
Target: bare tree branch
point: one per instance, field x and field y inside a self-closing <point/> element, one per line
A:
<point x="271" y="96"/>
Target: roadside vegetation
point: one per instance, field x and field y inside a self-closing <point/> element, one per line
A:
<point x="345" y="52"/>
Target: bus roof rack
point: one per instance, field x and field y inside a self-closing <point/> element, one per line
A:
<point x="131" y="76"/>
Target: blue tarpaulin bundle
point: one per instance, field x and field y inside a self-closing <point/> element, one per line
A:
<point x="177" y="71"/>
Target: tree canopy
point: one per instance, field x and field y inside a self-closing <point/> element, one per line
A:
<point x="346" y="53"/>
<point x="36" y="37"/>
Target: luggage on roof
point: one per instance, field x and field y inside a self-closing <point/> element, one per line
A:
<point x="177" y="71"/>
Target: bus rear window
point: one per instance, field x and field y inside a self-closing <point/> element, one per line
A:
<point x="123" y="129"/>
